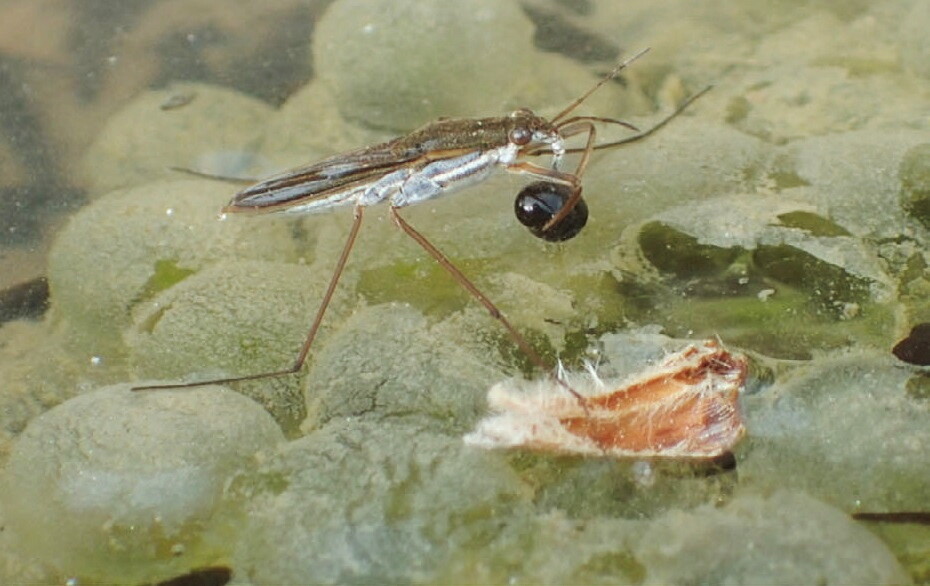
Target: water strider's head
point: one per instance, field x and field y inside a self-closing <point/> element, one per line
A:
<point x="528" y="131"/>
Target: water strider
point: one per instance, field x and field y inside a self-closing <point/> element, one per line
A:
<point x="434" y="160"/>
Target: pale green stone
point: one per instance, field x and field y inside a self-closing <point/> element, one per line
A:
<point x="842" y="428"/>
<point x="129" y="245"/>
<point x="143" y="141"/>
<point x="367" y="501"/>
<point x="236" y="318"/>
<point x="119" y="486"/>
<point x="785" y="538"/>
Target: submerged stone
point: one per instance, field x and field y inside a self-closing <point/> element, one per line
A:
<point x="400" y="65"/>
<point x="234" y="319"/>
<point x="386" y="362"/>
<point x="746" y="260"/>
<point x="144" y="140"/>
<point x="119" y="486"/>
<point x="915" y="182"/>
<point x="786" y="538"/>
<point x="845" y="429"/>
<point x="129" y="245"/>
<point x="366" y="501"/>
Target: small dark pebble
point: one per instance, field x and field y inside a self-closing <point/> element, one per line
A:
<point x="915" y="517"/>
<point x="915" y="348"/>
<point x="25" y="300"/>
<point x="212" y="576"/>
<point x="178" y="100"/>
<point x="722" y="464"/>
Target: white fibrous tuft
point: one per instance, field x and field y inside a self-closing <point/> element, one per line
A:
<point x="685" y="406"/>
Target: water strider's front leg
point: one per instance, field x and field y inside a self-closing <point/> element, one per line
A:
<point x="572" y="129"/>
<point x="569" y="179"/>
<point x="311" y="335"/>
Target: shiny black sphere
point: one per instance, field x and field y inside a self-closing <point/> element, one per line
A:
<point x="538" y="202"/>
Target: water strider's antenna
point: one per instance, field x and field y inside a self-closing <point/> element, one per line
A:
<point x="620" y="66"/>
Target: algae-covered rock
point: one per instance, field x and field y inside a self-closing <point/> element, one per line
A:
<point x="856" y="178"/>
<point x="129" y="245"/>
<point x="359" y="45"/>
<point x="482" y="527"/>
<point x="119" y="487"/>
<point x="309" y="127"/>
<point x="708" y="236"/>
<point x="39" y="371"/>
<point x="915" y="182"/>
<point x="819" y="91"/>
<point x="16" y="566"/>
<point x="367" y="501"/>
<point x="144" y="140"/>
<point x="911" y="33"/>
<point x="786" y="538"/>
<point x="844" y="429"/>
<point x="387" y="361"/>
<point x="552" y="548"/>
<point x="689" y="160"/>
<point x="726" y="265"/>
<point x="232" y="319"/>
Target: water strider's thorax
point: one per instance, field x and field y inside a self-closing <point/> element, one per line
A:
<point x="522" y="128"/>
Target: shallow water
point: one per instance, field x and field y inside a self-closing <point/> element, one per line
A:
<point x="784" y="213"/>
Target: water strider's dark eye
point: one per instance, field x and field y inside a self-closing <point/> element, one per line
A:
<point x="521" y="136"/>
<point x="538" y="202"/>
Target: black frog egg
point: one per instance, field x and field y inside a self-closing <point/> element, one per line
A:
<point x="538" y="202"/>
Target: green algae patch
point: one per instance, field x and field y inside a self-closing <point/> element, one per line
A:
<point x="166" y="274"/>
